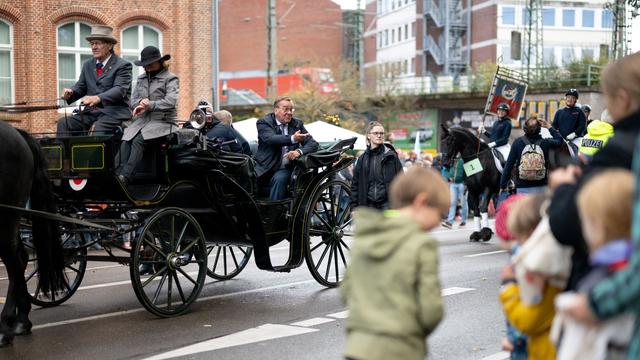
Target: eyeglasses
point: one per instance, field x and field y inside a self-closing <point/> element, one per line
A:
<point x="287" y="110"/>
<point x="377" y="133"/>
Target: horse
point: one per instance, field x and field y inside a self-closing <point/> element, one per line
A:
<point x="23" y="178"/>
<point x="483" y="185"/>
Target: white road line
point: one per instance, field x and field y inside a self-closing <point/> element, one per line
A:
<point x="118" y="313"/>
<point x="261" y="333"/>
<point x="503" y="355"/>
<point x="312" y="322"/>
<point x="486" y="253"/>
<point x="267" y="332"/>
<point x="340" y="315"/>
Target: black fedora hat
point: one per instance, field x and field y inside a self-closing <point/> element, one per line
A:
<point x="149" y="55"/>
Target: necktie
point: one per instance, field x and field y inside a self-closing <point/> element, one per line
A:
<point x="283" y="152"/>
<point x="99" y="68"/>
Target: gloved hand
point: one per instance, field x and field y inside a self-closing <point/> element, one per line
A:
<point x="492" y="144"/>
<point x="571" y="136"/>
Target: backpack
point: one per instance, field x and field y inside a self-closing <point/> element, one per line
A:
<point x="532" y="165"/>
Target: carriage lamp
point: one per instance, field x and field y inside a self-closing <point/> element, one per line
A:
<point x="199" y="118"/>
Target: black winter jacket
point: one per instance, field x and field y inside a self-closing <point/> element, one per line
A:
<point x="563" y="212"/>
<point x="226" y="133"/>
<point x="570" y="120"/>
<point x="372" y="175"/>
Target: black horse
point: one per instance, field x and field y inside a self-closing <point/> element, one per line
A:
<point x="23" y="177"/>
<point x="481" y="186"/>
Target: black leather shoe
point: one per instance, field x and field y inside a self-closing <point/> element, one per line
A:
<point x="123" y="179"/>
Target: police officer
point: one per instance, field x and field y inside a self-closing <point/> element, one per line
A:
<point x="499" y="135"/>
<point x="570" y="121"/>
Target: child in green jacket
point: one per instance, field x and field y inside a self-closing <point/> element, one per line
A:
<point x="391" y="286"/>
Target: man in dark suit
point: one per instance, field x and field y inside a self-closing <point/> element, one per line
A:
<point x="281" y="139"/>
<point x="105" y="84"/>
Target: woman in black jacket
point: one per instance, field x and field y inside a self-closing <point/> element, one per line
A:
<point x="374" y="170"/>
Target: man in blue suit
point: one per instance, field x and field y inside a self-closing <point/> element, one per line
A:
<point x="105" y="84"/>
<point x="281" y="139"/>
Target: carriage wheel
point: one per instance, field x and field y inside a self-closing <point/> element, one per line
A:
<point x="328" y="225"/>
<point x="75" y="264"/>
<point x="169" y="262"/>
<point x="228" y="260"/>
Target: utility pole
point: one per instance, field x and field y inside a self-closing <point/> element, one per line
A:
<point x="360" y="39"/>
<point x="534" y="55"/>
<point x="619" y="46"/>
<point x="215" y="93"/>
<point x="272" y="66"/>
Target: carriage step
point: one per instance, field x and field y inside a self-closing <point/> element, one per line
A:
<point x="283" y="268"/>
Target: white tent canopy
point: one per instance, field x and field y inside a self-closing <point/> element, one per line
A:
<point x="324" y="132"/>
<point x="321" y="131"/>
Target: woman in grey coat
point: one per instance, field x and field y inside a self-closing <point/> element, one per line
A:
<point x="154" y="102"/>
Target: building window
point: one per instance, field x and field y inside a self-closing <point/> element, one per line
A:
<point x="508" y="15"/>
<point x="587" y="18"/>
<point x="548" y="55"/>
<point x="588" y="53"/>
<point x="6" y="68"/>
<point x="405" y="69"/>
<point x="379" y="6"/>
<point x="568" y="18"/>
<point x="413" y="29"/>
<point x="399" y="33"/>
<point x="134" y="39"/>
<point x="73" y="51"/>
<point x="567" y="55"/>
<point x="393" y="35"/>
<point x="406" y="31"/>
<point x="548" y="17"/>
<point x="386" y="37"/>
<point x="526" y="14"/>
<point x="380" y="39"/>
<point x="413" y="65"/>
<point x="607" y="19"/>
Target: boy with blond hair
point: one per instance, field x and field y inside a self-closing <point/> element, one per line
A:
<point x="391" y="286"/>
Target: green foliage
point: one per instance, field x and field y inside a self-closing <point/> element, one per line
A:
<point x="483" y="75"/>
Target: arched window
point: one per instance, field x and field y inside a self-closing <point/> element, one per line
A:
<point x="6" y="63"/>
<point x="134" y="39"/>
<point x="73" y="51"/>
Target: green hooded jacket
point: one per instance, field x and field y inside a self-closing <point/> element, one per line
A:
<point x="391" y="288"/>
<point x="598" y="133"/>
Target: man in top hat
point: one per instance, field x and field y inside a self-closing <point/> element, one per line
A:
<point x="104" y="86"/>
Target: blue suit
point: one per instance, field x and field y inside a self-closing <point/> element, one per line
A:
<point x="114" y="89"/>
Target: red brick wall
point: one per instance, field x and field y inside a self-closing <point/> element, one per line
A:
<point x="308" y="32"/>
<point x="370" y="44"/>
<point x="185" y="25"/>
<point x="483" y="28"/>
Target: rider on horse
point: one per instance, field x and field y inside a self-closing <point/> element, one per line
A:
<point x="499" y="135"/>
<point x="570" y="121"/>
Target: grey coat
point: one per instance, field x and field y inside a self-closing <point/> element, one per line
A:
<point x="159" y="119"/>
<point x="113" y="86"/>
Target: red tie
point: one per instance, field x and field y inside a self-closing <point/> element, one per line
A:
<point x="99" y="68"/>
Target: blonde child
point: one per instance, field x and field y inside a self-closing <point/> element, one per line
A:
<point x="391" y="286"/>
<point x="605" y="206"/>
<point x="527" y="296"/>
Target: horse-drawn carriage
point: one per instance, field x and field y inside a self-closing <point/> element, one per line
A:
<point x="192" y="210"/>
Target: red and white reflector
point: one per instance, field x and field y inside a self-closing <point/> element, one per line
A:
<point x="77" y="184"/>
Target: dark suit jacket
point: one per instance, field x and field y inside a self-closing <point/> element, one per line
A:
<point x="271" y="141"/>
<point x="113" y="86"/>
<point x="226" y="133"/>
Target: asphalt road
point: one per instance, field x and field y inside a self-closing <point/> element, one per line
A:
<point x="259" y="315"/>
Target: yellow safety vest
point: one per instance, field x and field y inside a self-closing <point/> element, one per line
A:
<point x="598" y="133"/>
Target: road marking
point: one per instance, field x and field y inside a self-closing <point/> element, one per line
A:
<point x="486" y="253"/>
<point x="118" y="313"/>
<point x="267" y="332"/>
<point x="455" y="290"/>
<point x="258" y="334"/>
<point x="312" y="322"/>
<point x="340" y="315"/>
<point x="502" y="355"/>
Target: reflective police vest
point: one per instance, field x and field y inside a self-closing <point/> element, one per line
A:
<point x="598" y="133"/>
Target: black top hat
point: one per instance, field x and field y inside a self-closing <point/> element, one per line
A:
<point x="149" y="55"/>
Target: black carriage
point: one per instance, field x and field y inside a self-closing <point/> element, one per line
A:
<point x="192" y="210"/>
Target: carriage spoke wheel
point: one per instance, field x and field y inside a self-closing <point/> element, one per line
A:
<point x="169" y="262"/>
<point x="328" y="227"/>
<point x="75" y="264"/>
<point x="227" y="261"/>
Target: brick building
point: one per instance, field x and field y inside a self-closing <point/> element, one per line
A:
<point x="309" y="33"/>
<point x="42" y="47"/>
